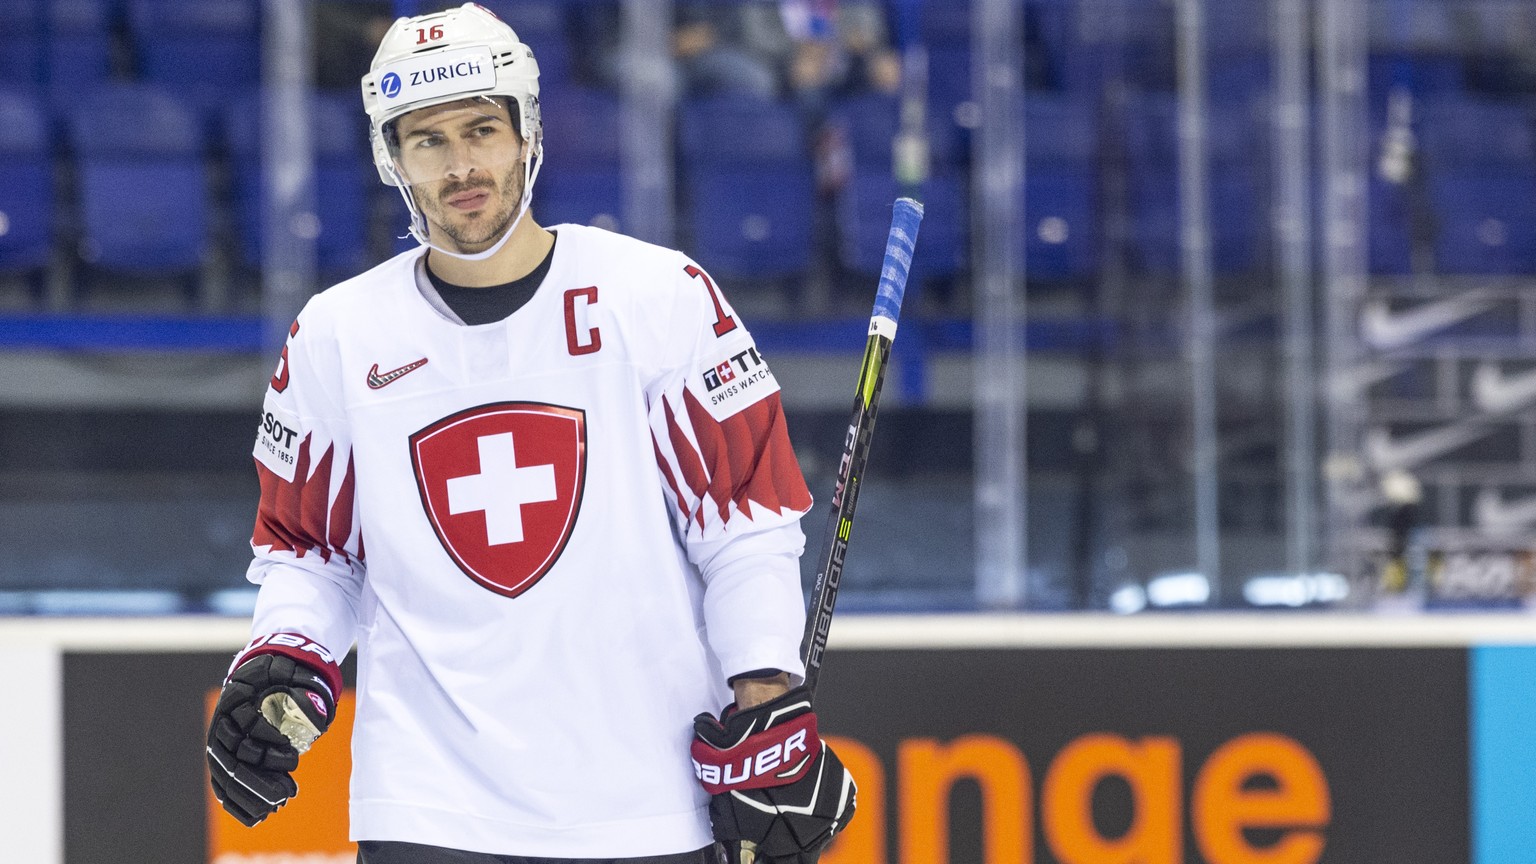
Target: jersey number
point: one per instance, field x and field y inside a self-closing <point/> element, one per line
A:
<point x="723" y="322"/>
<point x="280" y="377"/>
<point x="581" y="343"/>
<point x="424" y="35"/>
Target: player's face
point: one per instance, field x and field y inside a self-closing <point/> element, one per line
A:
<point x="464" y="163"/>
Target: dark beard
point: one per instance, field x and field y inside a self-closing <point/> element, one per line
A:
<point x="461" y="235"/>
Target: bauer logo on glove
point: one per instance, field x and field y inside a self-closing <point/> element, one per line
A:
<point x="778" y="793"/>
<point x="770" y="757"/>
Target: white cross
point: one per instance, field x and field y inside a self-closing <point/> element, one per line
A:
<point x="501" y="489"/>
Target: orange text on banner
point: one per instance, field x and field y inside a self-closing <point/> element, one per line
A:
<point x="1292" y="801"/>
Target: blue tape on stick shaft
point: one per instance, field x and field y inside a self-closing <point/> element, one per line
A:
<point x="905" y="219"/>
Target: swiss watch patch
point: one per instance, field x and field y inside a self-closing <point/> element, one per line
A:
<point x="739" y="379"/>
<point x="501" y="485"/>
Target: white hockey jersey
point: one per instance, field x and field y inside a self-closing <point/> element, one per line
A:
<point x="552" y="537"/>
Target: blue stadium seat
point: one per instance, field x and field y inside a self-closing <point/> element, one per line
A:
<point x="540" y="24"/>
<point x="79" y="45"/>
<point x="1145" y="66"/>
<point x="949" y="78"/>
<point x="864" y="221"/>
<point x="947" y="23"/>
<point x="1479" y="158"/>
<point x="1233" y="130"/>
<point x="582" y="183"/>
<point x="143" y="180"/>
<point x="727" y="129"/>
<point x="591" y="195"/>
<point x="1237" y="27"/>
<point x="1415" y="25"/>
<point x="1236" y="193"/>
<point x="206" y="50"/>
<point x="1480" y="162"/>
<point x="1487" y="222"/>
<point x="1468" y="133"/>
<point x="1060" y="203"/>
<point x="582" y="127"/>
<point x="26" y="183"/>
<point x="747" y="178"/>
<point x="1234" y="77"/>
<point x="1143" y="24"/>
<point x="870" y="123"/>
<point x="1239" y="229"/>
<point x="344" y="176"/>
<point x="21" y="55"/>
<point x="1061" y="222"/>
<point x="1419" y="74"/>
<point x="1060" y="129"/>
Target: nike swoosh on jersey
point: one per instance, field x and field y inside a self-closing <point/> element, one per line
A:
<point x="1387" y="452"/>
<point x="1495" y="392"/>
<point x="1386" y="329"/>
<point x="377" y="381"/>
<point x="1494" y="513"/>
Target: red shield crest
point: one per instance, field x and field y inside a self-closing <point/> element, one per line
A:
<point x="501" y="485"/>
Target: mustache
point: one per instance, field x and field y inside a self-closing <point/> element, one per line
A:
<point x="453" y="189"/>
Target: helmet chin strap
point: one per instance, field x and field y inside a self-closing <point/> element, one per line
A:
<point x="419" y="220"/>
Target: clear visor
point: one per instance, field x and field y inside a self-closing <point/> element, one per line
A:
<point x="452" y="141"/>
<point x="464" y="168"/>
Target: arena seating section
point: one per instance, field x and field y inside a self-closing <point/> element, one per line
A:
<point x="130" y="143"/>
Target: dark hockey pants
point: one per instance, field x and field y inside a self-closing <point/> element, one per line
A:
<point x="376" y="852"/>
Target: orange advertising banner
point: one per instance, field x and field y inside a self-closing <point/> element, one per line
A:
<point x="312" y="827"/>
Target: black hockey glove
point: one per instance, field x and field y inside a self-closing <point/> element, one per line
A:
<point x="249" y="759"/>
<point x="777" y="792"/>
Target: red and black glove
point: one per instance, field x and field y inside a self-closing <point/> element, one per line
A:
<point x="282" y="681"/>
<point x="776" y="789"/>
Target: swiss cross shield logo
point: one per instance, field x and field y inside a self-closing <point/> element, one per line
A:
<point x="502" y="486"/>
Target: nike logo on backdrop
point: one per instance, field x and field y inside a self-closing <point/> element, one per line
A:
<point x="1352" y="383"/>
<point x="1495" y="392"/>
<point x="1386" y="451"/>
<point x="1496" y="514"/>
<point x="1385" y="329"/>
<point x="376" y="381"/>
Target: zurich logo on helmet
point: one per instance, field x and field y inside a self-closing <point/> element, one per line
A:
<point x="390" y="86"/>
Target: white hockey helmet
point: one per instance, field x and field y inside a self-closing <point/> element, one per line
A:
<point x="445" y="57"/>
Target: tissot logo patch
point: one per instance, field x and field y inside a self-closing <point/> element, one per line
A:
<point x="738" y="380"/>
<point x="719" y="376"/>
<point x="277" y="439"/>
<point x="501" y="485"/>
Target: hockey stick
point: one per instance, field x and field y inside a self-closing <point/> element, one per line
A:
<point x="845" y="497"/>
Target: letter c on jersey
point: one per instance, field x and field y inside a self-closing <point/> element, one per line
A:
<point x="501" y="485"/>
<point x="577" y="342"/>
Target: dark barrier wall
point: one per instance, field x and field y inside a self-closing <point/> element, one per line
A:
<point x="1099" y="756"/>
<point x="1160" y="756"/>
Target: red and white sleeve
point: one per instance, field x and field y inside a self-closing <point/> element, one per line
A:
<point x="724" y="455"/>
<point x="307" y="542"/>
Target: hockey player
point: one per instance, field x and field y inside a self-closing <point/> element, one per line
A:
<point x="541" y="477"/>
